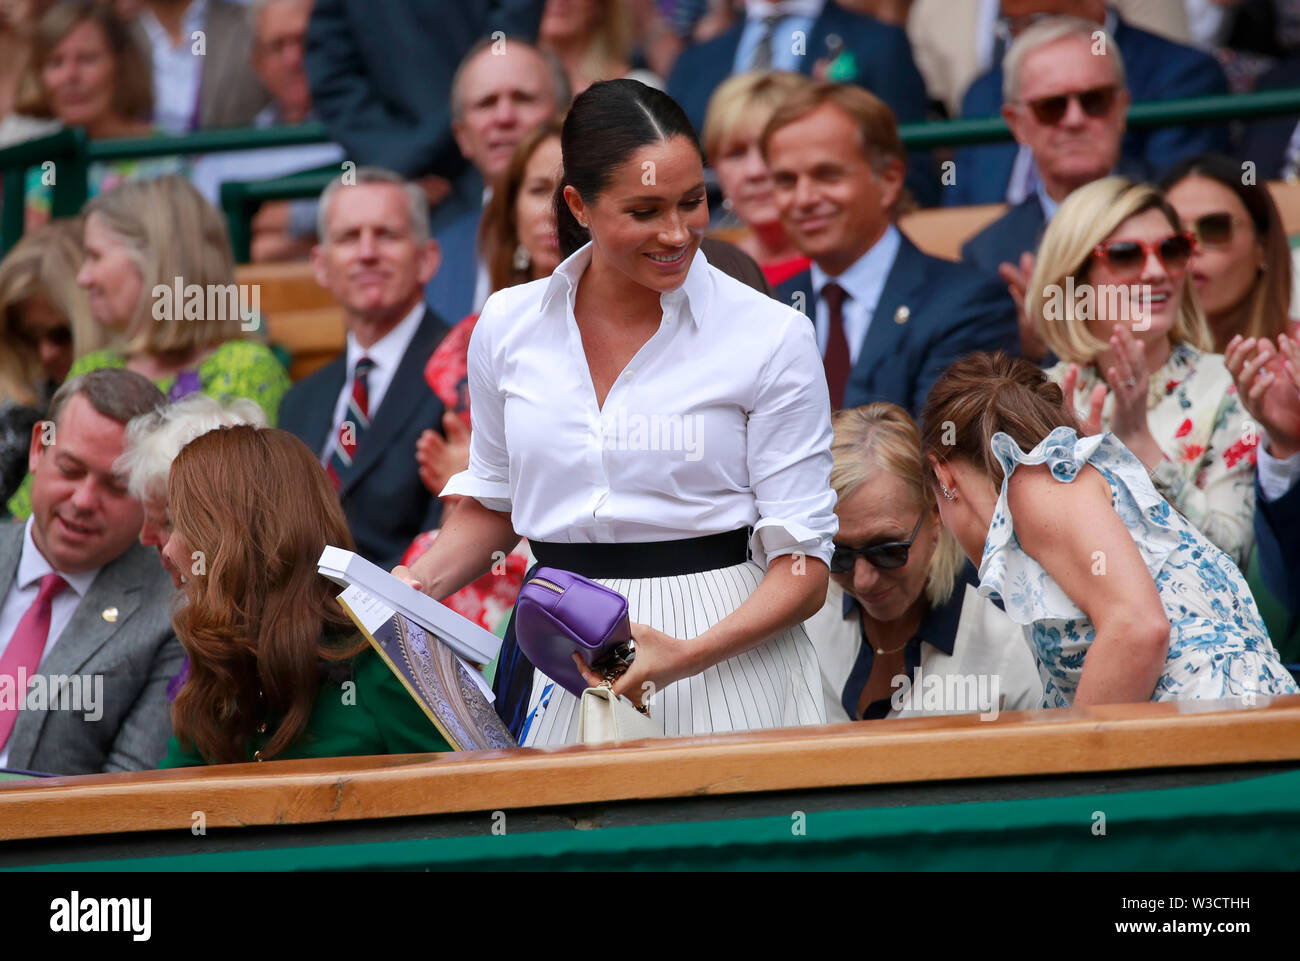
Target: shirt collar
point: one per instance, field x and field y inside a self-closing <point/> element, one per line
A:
<point x="938" y="626"/>
<point x="387" y="351"/>
<point x="32" y="566"/>
<point x="691" y="298"/>
<point x="762" y="9"/>
<point x="1046" y="202"/>
<point x="865" y="278"/>
<point x="195" y="16"/>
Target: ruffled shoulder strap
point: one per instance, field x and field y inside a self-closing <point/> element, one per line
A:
<point x="1006" y="572"/>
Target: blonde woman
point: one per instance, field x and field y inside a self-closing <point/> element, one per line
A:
<point x="46" y="324"/>
<point x="903" y="602"/>
<point x="738" y="111"/>
<point x="144" y="241"/>
<point x="592" y="41"/>
<point x="1111" y="297"/>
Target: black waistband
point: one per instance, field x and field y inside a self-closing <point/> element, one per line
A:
<point x="690" y="555"/>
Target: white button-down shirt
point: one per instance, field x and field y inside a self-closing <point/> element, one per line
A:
<point x="177" y="71"/>
<point x="32" y="566"/>
<point x="720" y="421"/>
<point x="864" y="282"/>
<point x="387" y="353"/>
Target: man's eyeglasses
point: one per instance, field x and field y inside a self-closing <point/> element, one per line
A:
<point x="1096" y="102"/>
<point x="1213" y="230"/>
<point x="1126" y="257"/>
<point x="60" y="336"/>
<point x="887" y="557"/>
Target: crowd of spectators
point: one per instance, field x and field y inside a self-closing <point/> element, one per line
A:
<point x="521" y="224"/>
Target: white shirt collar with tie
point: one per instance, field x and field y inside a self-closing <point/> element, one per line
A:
<point x="387" y="353"/>
<point x="864" y="282"/>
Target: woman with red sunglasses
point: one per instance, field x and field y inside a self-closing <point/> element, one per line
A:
<point x="1111" y="298"/>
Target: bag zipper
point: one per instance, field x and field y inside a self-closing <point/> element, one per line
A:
<point x="547" y="584"/>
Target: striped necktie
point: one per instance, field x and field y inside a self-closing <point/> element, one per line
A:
<point x="355" y="423"/>
<point x="762" y="58"/>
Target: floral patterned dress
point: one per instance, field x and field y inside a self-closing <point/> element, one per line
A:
<point x="1208" y="440"/>
<point x="1218" y="645"/>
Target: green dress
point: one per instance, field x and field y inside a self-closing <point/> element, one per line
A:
<point x="238" y="368"/>
<point x="376" y="716"/>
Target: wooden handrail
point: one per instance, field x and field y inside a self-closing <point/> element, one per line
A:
<point x="1016" y="744"/>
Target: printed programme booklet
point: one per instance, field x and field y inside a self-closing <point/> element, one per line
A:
<point x="453" y="694"/>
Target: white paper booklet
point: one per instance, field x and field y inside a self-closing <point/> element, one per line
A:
<point x="462" y="635"/>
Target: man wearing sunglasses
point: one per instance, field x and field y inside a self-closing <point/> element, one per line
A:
<point x="1158" y="69"/>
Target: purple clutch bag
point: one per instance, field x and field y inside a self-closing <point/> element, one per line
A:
<point x="559" y="612"/>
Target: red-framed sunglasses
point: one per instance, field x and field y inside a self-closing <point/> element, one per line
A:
<point x="1128" y="256"/>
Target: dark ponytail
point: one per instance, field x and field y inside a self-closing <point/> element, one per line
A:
<point x="607" y="123"/>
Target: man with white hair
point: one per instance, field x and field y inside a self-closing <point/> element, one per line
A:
<point x="1066" y="105"/>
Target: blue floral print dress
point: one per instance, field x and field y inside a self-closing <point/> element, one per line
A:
<point x="1218" y="645"/>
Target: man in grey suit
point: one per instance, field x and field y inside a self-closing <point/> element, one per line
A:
<point x="86" y="643"/>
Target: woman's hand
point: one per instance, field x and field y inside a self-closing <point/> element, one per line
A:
<point x="438" y="457"/>
<point x="660" y="660"/>
<point x="1032" y="345"/>
<point x="1130" y="382"/>
<point x="403" y="574"/>
<point x="1096" y="401"/>
<point x="1268" y="384"/>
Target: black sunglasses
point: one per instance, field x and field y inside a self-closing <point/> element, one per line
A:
<point x="1095" y="103"/>
<point x="1213" y="230"/>
<point x="887" y="557"/>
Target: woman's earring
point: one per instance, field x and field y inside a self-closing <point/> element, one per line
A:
<point x="947" y="493"/>
<point x="522" y="261"/>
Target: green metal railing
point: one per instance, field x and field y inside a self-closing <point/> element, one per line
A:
<point x="72" y="153"/>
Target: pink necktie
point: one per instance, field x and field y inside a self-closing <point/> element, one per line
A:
<point x="26" y="648"/>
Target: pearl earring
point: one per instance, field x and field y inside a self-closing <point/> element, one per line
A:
<point x="522" y="261"/>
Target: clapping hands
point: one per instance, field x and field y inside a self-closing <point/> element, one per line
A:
<point x="1268" y="384"/>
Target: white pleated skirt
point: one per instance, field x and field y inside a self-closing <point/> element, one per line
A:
<point x="777" y="684"/>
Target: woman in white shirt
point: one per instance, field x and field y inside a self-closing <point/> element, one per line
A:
<point x="647" y="421"/>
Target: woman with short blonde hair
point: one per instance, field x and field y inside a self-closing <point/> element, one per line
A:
<point x="1110" y="296"/>
<point x="903" y="605"/>
<point x="738" y="111"/>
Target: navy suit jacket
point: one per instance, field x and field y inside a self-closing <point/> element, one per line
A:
<point x="884" y="62"/>
<point x="1003" y="241"/>
<point x="380" y="74"/>
<point x="1156" y="69"/>
<point x="952" y="310"/>
<point x="450" y="292"/>
<point x="1265" y="140"/>
<point x="385" y="501"/>
<point x="1277" y="532"/>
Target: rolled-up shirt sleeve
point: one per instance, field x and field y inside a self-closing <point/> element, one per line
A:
<point x="487" y="479"/>
<point x="789" y="450"/>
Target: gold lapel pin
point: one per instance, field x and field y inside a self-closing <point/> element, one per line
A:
<point x="110" y="614"/>
<point x="902" y="315"/>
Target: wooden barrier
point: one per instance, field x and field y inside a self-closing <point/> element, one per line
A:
<point x="1131" y="737"/>
<point x="942" y="231"/>
<point x="300" y="315"/>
